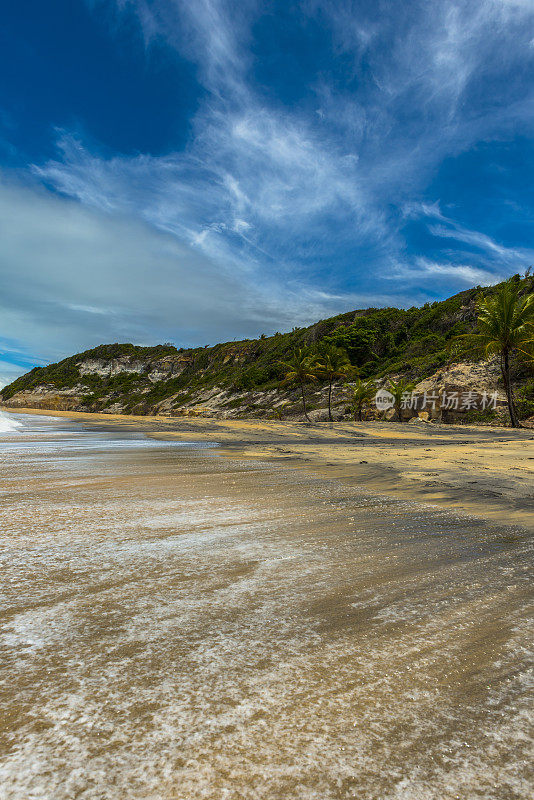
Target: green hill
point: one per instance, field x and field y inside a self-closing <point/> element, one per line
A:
<point x="380" y="341"/>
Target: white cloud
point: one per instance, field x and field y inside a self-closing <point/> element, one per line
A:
<point x="213" y="33"/>
<point x="284" y="172"/>
<point x="463" y="273"/>
<point x="74" y="277"/>
<point x="432" y="74"/>
<point x="483" y="242"/>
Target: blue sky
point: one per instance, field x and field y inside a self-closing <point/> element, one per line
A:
<point x="204" y="170"/>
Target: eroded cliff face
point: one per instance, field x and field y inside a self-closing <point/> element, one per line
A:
<point x="154" y="371"/>
<point x="47" y="397"/>
<point x="462" y="387"/>
<point x="479" y="377"/>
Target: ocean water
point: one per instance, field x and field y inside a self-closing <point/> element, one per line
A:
<point x="177" y="624"/>
<point x="40" y="434"/>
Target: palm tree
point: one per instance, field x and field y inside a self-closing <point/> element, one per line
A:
<point x="362" y="393"/>
<point x="505" y="327"/>
<point x="397" y="389"/>
<point x="301" y="368"/>
<point x="334" y="364"/>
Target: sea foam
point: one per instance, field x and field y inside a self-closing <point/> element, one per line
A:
<point x="8" y="424"/>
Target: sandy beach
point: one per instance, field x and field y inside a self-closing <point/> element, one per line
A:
<point x="229" y="228"/>
<point x="200" y="609"/>
<point x="488" y="472"/>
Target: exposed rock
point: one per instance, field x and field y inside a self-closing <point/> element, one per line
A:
<point x="48" y="397"/>
<point x="452" y="392"/>
<point x="160" y="370"/>
<point x="478" y="377"/>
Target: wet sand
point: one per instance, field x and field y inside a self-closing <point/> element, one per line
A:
<point x="488" y="472"/>
<point x="214" y="623"/>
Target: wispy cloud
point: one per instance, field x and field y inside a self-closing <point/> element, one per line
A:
<point x="461" y="273"/>
<point x="486" y="244"/>
<point x="343" y="174"/>
<point x="481" y="247"/>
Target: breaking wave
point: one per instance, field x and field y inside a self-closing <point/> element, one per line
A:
<point x="8" y="424"/>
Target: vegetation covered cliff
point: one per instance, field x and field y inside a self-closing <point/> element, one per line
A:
<point x="243" y="378"/>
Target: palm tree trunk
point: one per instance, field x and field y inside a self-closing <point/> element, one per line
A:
<point x="304" y="402"/>
<point x="505" y="369"/>
<point x="360" y="413"/>
<point x="330" y="402"/>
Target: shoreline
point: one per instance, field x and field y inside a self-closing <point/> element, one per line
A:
<point x="479" y="471"/>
